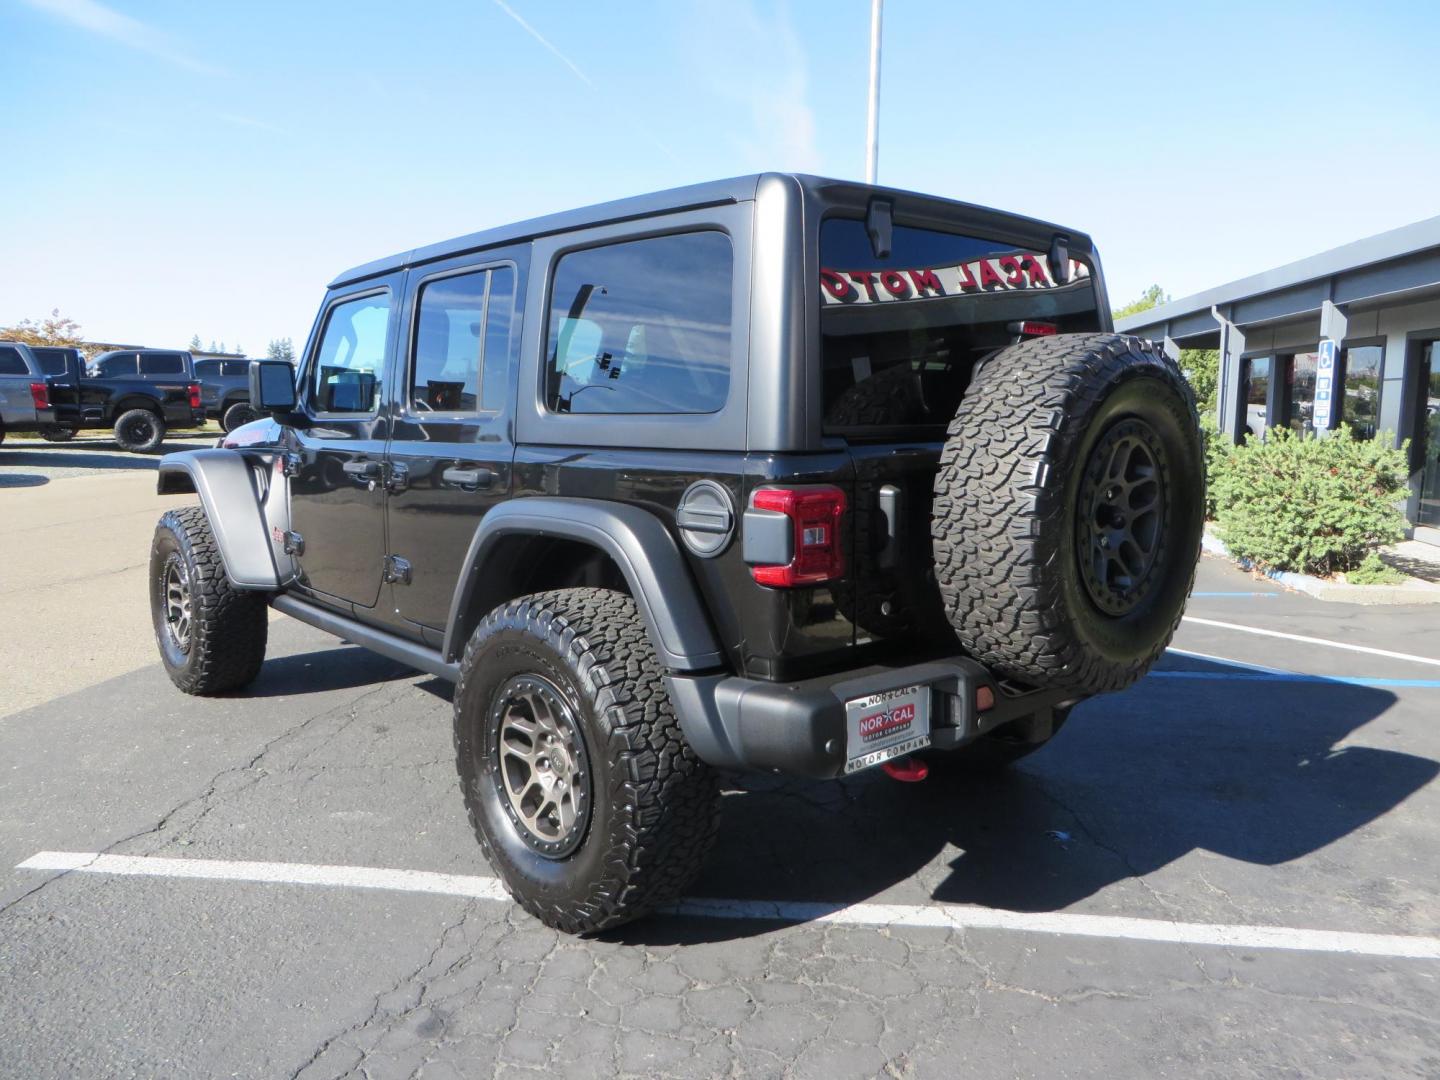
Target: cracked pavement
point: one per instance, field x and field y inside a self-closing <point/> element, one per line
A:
<point x="1204" y="800"/>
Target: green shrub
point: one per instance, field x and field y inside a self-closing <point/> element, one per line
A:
<point x="1373" y="571"/>
<point x="1217" y="453"/>
<point x="1309" y="504"/>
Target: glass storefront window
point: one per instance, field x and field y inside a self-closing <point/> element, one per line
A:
<point x="1300" y="396"/>
<point x="1429" y="510"/>
<point x="1257" y="394"/>
<point x="1362" y="389"/>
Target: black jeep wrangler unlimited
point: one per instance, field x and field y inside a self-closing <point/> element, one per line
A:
<point x="775" y="473"/>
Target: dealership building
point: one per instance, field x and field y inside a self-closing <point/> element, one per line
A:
<point x="1347" y="336"/>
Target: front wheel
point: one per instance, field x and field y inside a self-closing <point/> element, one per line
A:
<point x="139" y="431"/>
<point x="582" y="790"/>
<point x="211" y="635"/>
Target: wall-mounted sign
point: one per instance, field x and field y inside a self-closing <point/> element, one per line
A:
<point x="1010" y="272"/>
<point x="1325" y="372"/>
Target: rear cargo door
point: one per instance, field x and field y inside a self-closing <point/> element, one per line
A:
<point x="901" y="337"/>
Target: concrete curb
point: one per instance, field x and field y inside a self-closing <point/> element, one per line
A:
<point x="1413" y="591"/>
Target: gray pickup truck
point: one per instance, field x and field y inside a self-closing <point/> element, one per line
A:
<point x="24" y="391"/>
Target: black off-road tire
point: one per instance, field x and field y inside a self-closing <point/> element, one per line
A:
<point x="652" y="807"/>
<point x="139" y="431"/>
<point x="56" y="433"/>
<point x="1027" y="446"/>
<point x="237" y="415"/>
<point x="224" y="644"/>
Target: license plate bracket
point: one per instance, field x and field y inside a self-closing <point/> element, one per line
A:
<point x="886" y="725"/>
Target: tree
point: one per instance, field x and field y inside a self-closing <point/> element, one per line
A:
<point x="196" y="345"/>
<point x="212" y="345"/>
<point x="56" y="330"/>
<point x="281" y="349"/>
<point x="1202" y="370"/>
<point x="240" y="348"/>
<point x="1154" y="296"/>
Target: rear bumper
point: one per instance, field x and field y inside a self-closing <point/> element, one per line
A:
<point x="800" y="727"/>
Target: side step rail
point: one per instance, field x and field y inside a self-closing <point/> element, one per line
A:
<point x="378" y="641"/>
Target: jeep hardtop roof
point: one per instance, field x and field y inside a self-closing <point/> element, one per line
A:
<point x="814" y="189"/>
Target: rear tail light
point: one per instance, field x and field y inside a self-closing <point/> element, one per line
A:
<point x="40" y="394"/>
<point x="194" y="395"/>
<point x="814" y="515"/>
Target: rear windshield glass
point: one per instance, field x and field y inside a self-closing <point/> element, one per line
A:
<point x="901" y="335"/>
<point x="52" y="361"/>
<point x="207" y="369"/>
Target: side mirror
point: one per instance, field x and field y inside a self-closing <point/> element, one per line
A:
<point x="272" y="386"/>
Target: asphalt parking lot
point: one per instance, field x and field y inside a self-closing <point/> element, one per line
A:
<point x="1229" y="870"/>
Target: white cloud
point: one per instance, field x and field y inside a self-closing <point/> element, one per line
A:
<point x="92" y="16"/>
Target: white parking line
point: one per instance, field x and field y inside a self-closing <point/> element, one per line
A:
<point x="936" y="916"/>
<point x="1313" y="640"/>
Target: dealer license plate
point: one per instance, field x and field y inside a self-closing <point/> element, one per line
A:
<point x="887" y="725"/>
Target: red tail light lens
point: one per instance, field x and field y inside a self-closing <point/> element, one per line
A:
<point x="815" y="514"/>
<point x="40" y="394"/>
<point x="1030" y="328"/>
<point x="194" y="395"/>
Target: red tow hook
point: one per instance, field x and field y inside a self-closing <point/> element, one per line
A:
<point x="908" y="770"/>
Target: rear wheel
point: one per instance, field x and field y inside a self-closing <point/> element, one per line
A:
<point x="211" y="635"/>
<point x="582" y="790"/>
<point x="238" y="414"/>
<point x="1068" y="510"/>
<point x="139" y="431"/>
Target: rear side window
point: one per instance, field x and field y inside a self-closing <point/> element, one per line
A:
<point x="463" y="343"/>
<point x="901" y="335"/>
<point x="119" y="364"/>
<point x="51" y="361"/>
<point x="12" y="363"/>
<point x="235" y="369"/>
<point x="641" y="327"/>
<point x="349" y="365"/>
<point x="162" y="364"/>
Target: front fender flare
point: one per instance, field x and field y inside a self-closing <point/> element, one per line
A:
<point x="226" y="484"/>
<point x="634" y="538"/>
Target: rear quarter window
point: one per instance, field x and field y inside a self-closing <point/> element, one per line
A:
<point x="642" y="326"/>
<point x="162" y="364"/>
<point x="12" y="363"/>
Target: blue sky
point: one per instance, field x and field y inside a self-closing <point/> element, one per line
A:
<point x="180" y="168"/>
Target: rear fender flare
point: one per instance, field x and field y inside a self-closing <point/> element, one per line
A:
<point x="639" y="543"/>
<point x="230" y="492"/>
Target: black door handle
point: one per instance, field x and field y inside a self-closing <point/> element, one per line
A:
<point x="467" y="478"/>
<point x="363" y="470"/>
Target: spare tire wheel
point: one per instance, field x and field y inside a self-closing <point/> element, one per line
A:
<point x="1068" y="510"/>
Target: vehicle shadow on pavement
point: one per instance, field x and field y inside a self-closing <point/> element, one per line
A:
<point x="20" y="479"/>
<point x="78" y="456"/>
<point x="1243" y="767"/>
<point x="340" y="668"/>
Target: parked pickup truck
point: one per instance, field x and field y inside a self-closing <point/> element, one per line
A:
<point x="139" y="407"/>
<point x="24" y="391"/>
<point x="225" y="391"/>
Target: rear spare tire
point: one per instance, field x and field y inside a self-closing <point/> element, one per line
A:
<point x="1068" y="510"/>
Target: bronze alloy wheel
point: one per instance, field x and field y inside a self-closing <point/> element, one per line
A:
<point x="541" y="770"/>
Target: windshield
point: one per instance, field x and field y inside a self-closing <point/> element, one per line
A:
<point x="901" y="335"/>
